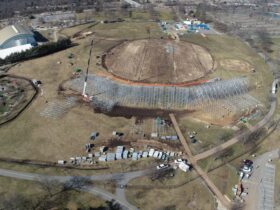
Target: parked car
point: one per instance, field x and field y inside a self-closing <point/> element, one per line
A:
<point x="162" y="166"/>
<point x="248" y="162"/>
<point x="247" y="169"/>
<point x="180" y="161"/>
<point x="241" y="175"/>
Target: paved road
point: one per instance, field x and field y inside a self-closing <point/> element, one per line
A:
<point x="120" y="178"/>
<point x="235" y="139"/>
<point x="261" y="184"/>
<point x="225" y="202"/>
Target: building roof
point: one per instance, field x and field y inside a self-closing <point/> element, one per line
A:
<point x="13" y="30"/>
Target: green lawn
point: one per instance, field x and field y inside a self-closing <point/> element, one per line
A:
<point x="32" y="193"/>
<point x="206" y="137"/>
<point x="225" y="178"/>
<point x="226" y="47"/>
<point x="190" y="196"/>
<point x="128" y="30"/>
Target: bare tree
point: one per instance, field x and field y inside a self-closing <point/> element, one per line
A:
<point x="148" y="30"/>
<point x="76" y="183"/>
<point x="99" y="6"/>
<point x="223" y="154"/>
<point x="152" y="12"/>
<point x="265" y="40"/>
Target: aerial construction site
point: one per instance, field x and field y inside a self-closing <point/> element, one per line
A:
<point x="168" y="76"/>
<point x="143" y="107"/>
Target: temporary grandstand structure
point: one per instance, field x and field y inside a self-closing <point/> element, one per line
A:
<point x="107" y="94"/>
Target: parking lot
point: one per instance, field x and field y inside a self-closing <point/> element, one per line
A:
<point x="260" y="186"/>
<point x="266" y="188"/>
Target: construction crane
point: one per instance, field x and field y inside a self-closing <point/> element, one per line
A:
<point x="86" y="77"/>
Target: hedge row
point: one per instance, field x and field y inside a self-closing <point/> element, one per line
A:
<point x="37" y="51"/>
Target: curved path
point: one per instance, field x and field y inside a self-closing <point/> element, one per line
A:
<point x="36" y="89"/>
<point x="120" y="178"/>
<point x="238" y="138"/>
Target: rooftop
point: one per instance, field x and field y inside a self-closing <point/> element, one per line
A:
<point x="13" y="30"/>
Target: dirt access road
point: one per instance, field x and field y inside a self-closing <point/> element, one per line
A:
<point x="200" y="172"/>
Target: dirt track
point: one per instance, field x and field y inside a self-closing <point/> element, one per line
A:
<point x="159" y="61"/>
<point x="196" y="167"/>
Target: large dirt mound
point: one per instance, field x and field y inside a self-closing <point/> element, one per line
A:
<point x="159" y="61"/>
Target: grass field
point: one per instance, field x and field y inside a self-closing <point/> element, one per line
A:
<point x="225" y="178"/>
<point x="193" y="195"/>
<point x="128" y="30"/>
<point x="36" y="193"/>
<point x="206" y="137"/>
<point x="121" y="166"/>
<point x="32" y="136"/>
<point x="225" y="47"/>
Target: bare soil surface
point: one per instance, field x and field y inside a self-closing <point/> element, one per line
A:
<point x="159" y="61"/>
<point x="236" y="65"/>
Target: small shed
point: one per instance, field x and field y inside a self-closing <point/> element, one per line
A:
<point x="125" y="154"/>
<point x="119" y="156"/>
<point x="184" y="167"/>
<point x="134" y="156"/>
<point x="154" y="135"/>
<point x="145" y="154"/>
<point x="93" y="135"/>
<point x="174" y="138"/>
<point x="61" y="162"/>
<point x="163" y="138"/>
<point x="79" y="158"/>
<point x="97" y="154"/>
<point x="111" y="156"/>
<point x="102" y="158"/>
<point x="159" y="155"/>
<point x="155" y="154"/>
<point x="151" y="152"/>
<point x="119" y="152"/>
<point x="164" y="156"/>
<point x="168" y="137"/>
<point x="103" y="149"/>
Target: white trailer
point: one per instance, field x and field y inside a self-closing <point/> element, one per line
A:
<point x="275" y="86"/>
<point x="184" y="167"/>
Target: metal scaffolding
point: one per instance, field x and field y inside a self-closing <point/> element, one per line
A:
<point x="108" y="93"/>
